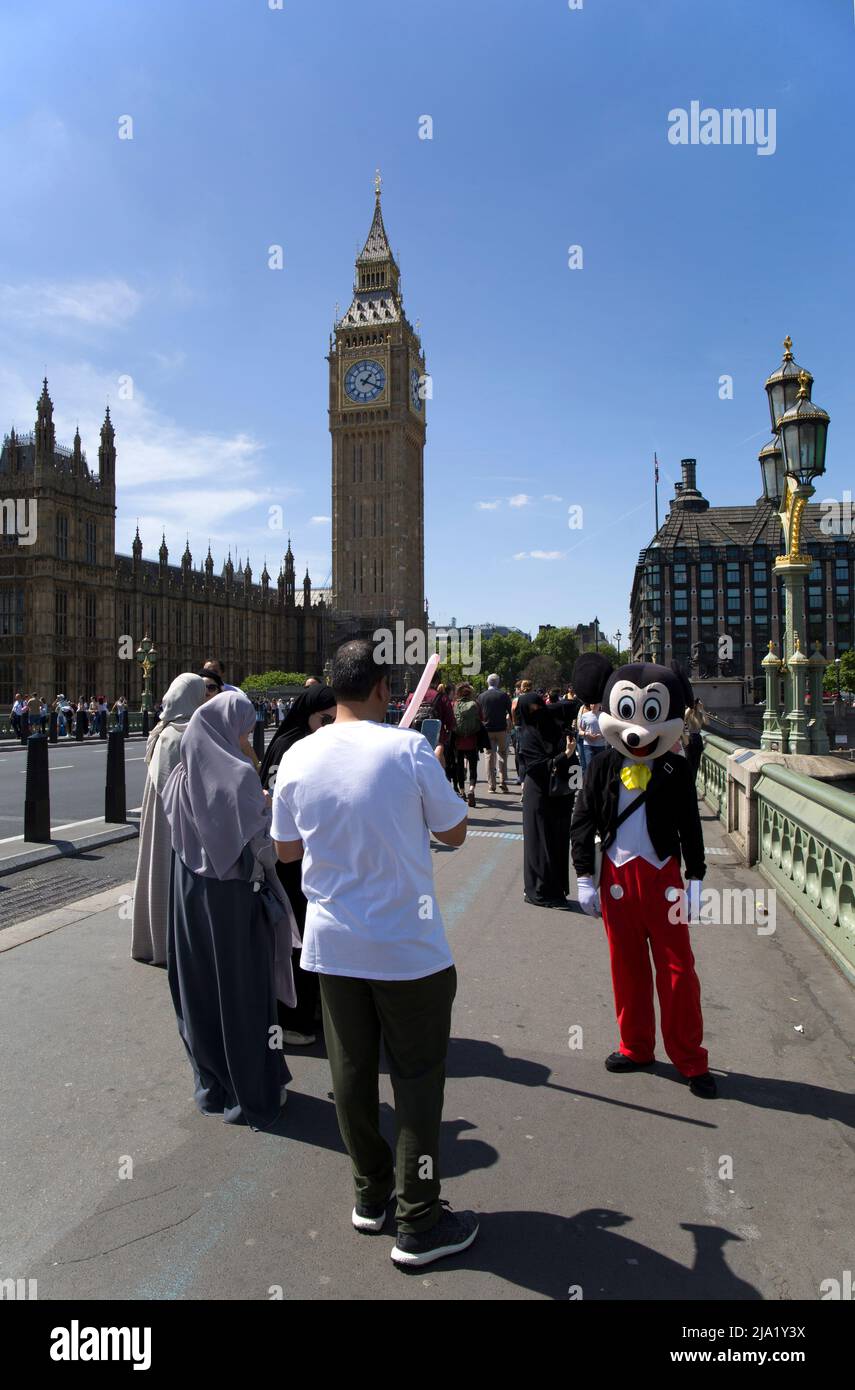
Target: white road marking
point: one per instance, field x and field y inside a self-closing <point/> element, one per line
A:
<point x="60" y="767"/>
<point x="69" y="825"/>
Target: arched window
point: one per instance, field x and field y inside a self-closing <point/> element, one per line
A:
<point x="61" y="536"/>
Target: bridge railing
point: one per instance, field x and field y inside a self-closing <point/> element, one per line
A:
<point x="797" y="830"/>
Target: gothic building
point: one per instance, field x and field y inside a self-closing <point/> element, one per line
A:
<point x="67" y="600"/>
<point x="377" y="395"/>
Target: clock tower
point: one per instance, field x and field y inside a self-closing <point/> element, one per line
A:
<point x="377" y="405"/>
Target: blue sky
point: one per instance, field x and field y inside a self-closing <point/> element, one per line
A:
<point x="147" y="258"/>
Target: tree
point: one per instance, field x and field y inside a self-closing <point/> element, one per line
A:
<point x="543" y="672"/>
<point x="270" y="680"/>
<point x="507" y="656"/>
<point x="560" y="644"/>
<point x="847" y="674"/>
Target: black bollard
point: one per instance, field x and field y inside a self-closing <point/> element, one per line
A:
<point x="145" y="723"/>
<point x="78" y="728"/>
<point x="54" y="734"/>
<point x="25" y="727"/>
<point x="37" y="795"/>
<point x="102" y="730"/>
<point x="114" y="793"/>
<point x="258" y="739"/>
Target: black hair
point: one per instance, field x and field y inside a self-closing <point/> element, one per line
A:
<point x="209" y="674"/>
<point x="355" y="672"/>
<point x="554" y="696"/>
<point x="215" y="661"/>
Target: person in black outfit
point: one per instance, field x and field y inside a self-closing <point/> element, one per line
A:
<point x="547" y="804"/>
<point x="311" y="708"/>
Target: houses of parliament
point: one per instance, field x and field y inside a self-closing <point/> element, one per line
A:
<point x="67" y="599"/>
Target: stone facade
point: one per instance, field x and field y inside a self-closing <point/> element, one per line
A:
<point x="67" y="600"/>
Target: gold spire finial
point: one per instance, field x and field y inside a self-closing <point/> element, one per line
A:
<point x="797" y="643"/>
<point x="378" y="183"/>
<point x="804" y="382"/>
<point x="788" y="349"/>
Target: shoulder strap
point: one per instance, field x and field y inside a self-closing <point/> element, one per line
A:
<point x="628" y="810"/>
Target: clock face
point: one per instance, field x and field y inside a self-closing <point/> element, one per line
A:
<point x="415" y="398"/>
<point x="364" y="381"/>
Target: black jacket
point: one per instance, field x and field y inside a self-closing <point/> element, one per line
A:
<point x="671" y="807"/>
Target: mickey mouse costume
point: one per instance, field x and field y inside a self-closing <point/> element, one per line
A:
<point x="640" y="797"/>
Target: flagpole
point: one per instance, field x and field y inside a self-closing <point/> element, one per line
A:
<point x="656" y="489"/>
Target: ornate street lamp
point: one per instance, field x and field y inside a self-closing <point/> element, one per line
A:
<point x="772" y="469"/>
<point x="788" y="470"/>
<point x="783" y="385"/>
<point x="146" y="656"/>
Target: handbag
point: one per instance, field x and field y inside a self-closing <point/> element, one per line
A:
<point x="559" y="786"/>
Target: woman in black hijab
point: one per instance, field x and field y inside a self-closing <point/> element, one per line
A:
<point x="547" y="803"/>
<point x="311" y="709"/>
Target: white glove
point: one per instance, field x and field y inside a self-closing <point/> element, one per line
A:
<point x="693" y="899"/>
<point x="589" y="897"/>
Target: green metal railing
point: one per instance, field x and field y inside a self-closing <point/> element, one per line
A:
<point x="712" y="774"/>
<point x="806" y="847"/>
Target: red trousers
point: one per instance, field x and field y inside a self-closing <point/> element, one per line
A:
<point x="635" y="911"/>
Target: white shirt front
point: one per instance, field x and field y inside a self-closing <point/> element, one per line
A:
<point x="363" y="797"/>
<point x="633" y="841"/>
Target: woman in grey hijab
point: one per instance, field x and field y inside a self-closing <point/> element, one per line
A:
<point x="231" y="928"/>
<point x="151" y="888"/>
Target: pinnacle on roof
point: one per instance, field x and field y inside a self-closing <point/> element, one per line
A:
<point x="376" y="246"/>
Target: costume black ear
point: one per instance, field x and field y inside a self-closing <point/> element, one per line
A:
<point x="590" y="675"/>
<point x="685" y="684"/>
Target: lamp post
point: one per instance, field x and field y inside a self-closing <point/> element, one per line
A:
<point x="146" y="656"/>
<point x="789" y="464"/>
<point x="618" y="636"/>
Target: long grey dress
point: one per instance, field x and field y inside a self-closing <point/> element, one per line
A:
<point x="151" y="886"/>
<point x="221" y="975"/>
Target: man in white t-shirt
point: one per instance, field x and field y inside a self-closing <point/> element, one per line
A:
<point x="358" y="802"/>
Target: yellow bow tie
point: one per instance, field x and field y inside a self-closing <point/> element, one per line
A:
<point x="635" y="778"/>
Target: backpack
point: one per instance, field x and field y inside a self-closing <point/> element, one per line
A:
<point x="467" y="719"/>
<point x="424" y="711"/>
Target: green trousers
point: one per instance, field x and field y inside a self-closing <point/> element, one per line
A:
<point x="413" y="1017"/>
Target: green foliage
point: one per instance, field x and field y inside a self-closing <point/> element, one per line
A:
<point x="270" y="680"/>
<point x="560" y="644"/>
<point x="847" y="674"/>
<point x="543" y="672"/>
<point x="507" y="656"/>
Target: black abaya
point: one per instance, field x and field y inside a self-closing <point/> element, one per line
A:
<point x="546" y="819"/>
<point x="219" y="954"/>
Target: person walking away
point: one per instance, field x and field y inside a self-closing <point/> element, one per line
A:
<point x="591" y="741"/>
<point x="467" y="729"/>
<point x="524" y="688"/>
<point x="93" y="717"/>
<point x="358" y="802"/>
<point x="313" y="709"/>
<point x="15" y="716"/>
<point x="547" y="804"/>
<point x="44" y="714"/>
<point x="154" y="861"/>
<point x="495" y="706"/>
<point x="230" y="930"/>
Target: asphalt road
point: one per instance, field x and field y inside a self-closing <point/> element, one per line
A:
<point x="77" y="773"/>
<point x="620" y="1186"/>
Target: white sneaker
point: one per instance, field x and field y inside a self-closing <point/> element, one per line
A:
<point x="298" y="1039"/>
<point x="283" y="1094"/>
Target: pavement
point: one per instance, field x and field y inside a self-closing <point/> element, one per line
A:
<point x="113" y="1186"/>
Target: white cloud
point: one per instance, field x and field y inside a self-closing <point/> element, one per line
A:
<point x="51" y="304"/>
<point x="552" y="497"/>
<point x="538" y="555"/>
<point x="169" y="361"/>
<point x="171" y="475"/>
<point x="488" y="506"/>
<point x="320" y="520"/>
<point x="519" y="499"/>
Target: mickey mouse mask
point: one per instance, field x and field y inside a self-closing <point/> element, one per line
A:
<point x="643" y="704"/>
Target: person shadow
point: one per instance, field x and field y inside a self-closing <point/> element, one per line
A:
<point x="587" y="1257"/>
<point x="312" y="1120"/>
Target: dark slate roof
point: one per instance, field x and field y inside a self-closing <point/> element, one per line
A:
<point x="376" y="246"/>
<point x="371" y="307"/>
<point x="739" y="526"/>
